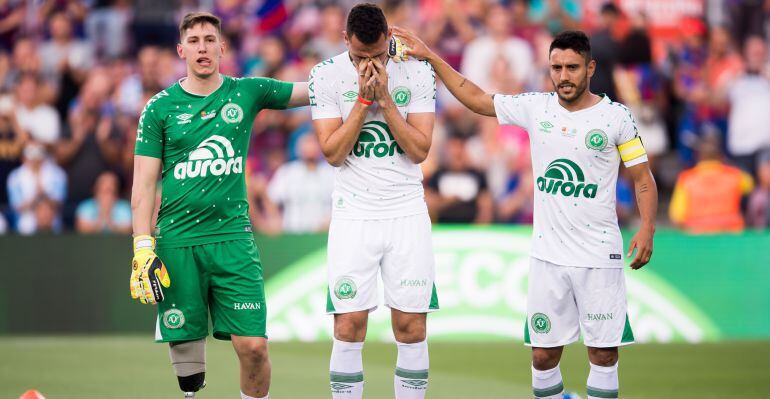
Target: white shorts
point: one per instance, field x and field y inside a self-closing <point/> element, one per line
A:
<point x="401" y="249"/>
<point x="563" y="301"/>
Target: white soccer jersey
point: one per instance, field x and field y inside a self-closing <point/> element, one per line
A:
<point x="575" y="159"/>
<point x="377" y="180"/>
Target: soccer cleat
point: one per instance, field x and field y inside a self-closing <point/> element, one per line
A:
<point x="571" y="395"/>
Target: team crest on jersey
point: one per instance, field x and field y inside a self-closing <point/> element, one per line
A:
<point x="541" y="324"/>
<point x="401" y="96"/>
<point x="232" y="113"/>
<point x="173" y="319"/>
<point x="596" y="139"/>
<point x="376" y="140"/>
<point x="345" y="288"/>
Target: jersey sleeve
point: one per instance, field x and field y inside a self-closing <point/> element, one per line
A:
<point x="511" y="110"/>
<point x="269" y="93"/>
<point x="323" y="98"/>
<point x="424" y="96"/>
<point x="629" y="143"/>
<point x="149" y="133"/>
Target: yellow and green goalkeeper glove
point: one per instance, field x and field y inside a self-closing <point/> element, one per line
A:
<point x="148" y="273"/>
<point x="396" y="49"/>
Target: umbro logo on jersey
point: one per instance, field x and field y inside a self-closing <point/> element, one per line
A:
<point x="350" y="96"/>
<point x="376" y="140"/>
<point x="565" y="177"/>
<point x="546" y="126"/>
<point x="184" y="118"/>
<point x="214" y="156"/>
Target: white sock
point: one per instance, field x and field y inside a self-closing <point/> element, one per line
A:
<point x="244" y="396"/>
<point x="411" y="380"/>
<point x="346" y="370"/>
<point x="547" y="384"/>
<point x="603" y="382"/>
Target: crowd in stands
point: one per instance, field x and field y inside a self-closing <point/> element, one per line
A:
<point x="75" y="75"/>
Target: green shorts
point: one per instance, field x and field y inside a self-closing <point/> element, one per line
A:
<point x="223" y="279"/>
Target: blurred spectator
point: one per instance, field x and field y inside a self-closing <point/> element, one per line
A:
<point x="155" y="22"/>
<point x="641" y="87"/>
<point x="303" y="189"/>
<point x="498" y="45"/>
<point x="758" y="214"/>
<point x="556" y="15"/>
<point x="3" y="224"/>
<point x="517" y="202"/>
<point x="12" y="140"/>
<point x="749" y="97"/>
<point x="134" y="91"/>
<point x="457" y="193"/>
<point x="39" y="119"/>
<point x="11" y="22"/>
<point x="65" y="61"/>
<point x="328" y="42"/>
<point x="90" y="144"/>
<point x="605" y="49"/>
<point x="449" y="25"/>
<point x="399" y="13"/>
<point x="707" y="198"/>
<point x="107" y="26"/>
<point x="24" y="59"/>
<point x="64" y="54"/>
<point x="36" y="189"/>
<point x="523" y="27"/>
<point x="105" y="212"/>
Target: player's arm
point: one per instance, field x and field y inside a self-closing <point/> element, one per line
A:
<point x="299" y="95"/>
<point x="148" y="274"/>
<point x="336" y="137"/>
<point x="146" y="171"/>
<point x="467" y="92"/>
<point x="647" y="200"/>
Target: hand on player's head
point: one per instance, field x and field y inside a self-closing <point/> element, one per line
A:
<point x="414" y="46"/>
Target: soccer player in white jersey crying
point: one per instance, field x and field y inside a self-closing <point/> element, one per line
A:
<point x="576" y="280"/>
<point x="374" y="116"/>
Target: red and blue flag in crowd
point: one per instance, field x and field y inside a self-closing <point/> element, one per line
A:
<point x="271" y="15"/>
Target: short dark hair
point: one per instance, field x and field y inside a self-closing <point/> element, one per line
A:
<point x="195" y="18"/>
<point x="367" y="22"/>
<point x="574" y="40"/>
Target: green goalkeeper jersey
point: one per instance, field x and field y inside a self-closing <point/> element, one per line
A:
<point x="202" y="142"/>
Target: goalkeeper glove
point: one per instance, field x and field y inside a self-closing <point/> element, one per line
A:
<point x="396" y="49"/>
<point x="148" y="273"/>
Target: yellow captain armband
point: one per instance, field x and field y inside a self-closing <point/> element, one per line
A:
<point x="631" y="150"/>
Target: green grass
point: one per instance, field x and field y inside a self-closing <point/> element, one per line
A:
<point x="117" y="367"/>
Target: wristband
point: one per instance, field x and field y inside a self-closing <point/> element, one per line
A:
<point x="144" y="242"/>
<point x="365" y="101"/>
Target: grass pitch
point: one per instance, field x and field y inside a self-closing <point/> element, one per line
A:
<point x="130" y="367"/>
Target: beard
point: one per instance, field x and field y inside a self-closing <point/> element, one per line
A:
<point x="576" y="90"/>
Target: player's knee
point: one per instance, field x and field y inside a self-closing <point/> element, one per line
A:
<point x="192" y="383"/>
<point x="409" y="333"/>
<point x="605" y="357"/>
<point x="544" y="359"/>
<point x="349" y="328"/>
<point x="254" y="350"/>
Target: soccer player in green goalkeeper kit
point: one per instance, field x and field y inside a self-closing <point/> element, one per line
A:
<point x="202" y="259"/>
